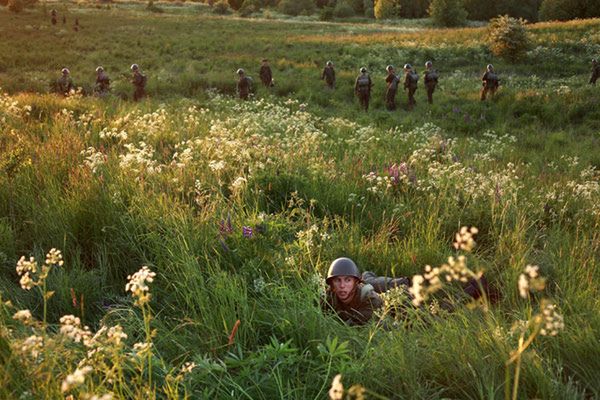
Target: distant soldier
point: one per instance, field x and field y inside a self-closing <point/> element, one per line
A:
<point x="53" y="16"/>
<point x="139" y="83"/>
<point x="392" y="82"/>
<point x="362" y="88"/>
<point x="266" y="75"/>
<point x="102" y="87"/>
<point x="76" y="27"/>
<point x="64" y="19"/>
<point x="595" y="71"/>
<point x="430" y="79"/>
<point x="64" y="84"/>
<point x="243" y="85"/>
<point x="410" y="83"/>
<point x="329" y="75"/>
<point x="490" y="82"/>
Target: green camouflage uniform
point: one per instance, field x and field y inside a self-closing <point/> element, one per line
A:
<point x="595" y="73"/>
<point x="102" y="84"/>
<point x="243" y="87"/>
<point x="431" y="80"/>
<point x="411" y="84"/>
<point x="139" y="83"/>
<point x="490" y="84"/>
<point x="64" y="85"/>
<point x="392" y="87"/>
<point x="362" y="88"/>
<point x="266" y="75"/>
<point x="359" y="310"/>
<point x="329" y="76"/>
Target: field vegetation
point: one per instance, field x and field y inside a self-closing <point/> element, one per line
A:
<point x="179" y="244"/>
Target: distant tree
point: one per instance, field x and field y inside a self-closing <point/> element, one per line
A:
<point x="16" y="6"/>
<point x="387" y="9"/>
<point x="297" y="7"/>
<point x="561" y="10"/>
<point x="343" y="9"/>
<point x="447" y="12"/>
<point x="221" y="7"/>
<point x="508" y="37"/>
<point x="326" y="14"/>
<point x="481" y="10"/>
<point x="235" y="4"/>
<point x="527" y="9"/>
<point x="414" y="8"/>
<point x="3" y="2"/>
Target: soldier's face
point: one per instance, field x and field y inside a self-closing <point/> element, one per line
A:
<point x="343" y="287"/>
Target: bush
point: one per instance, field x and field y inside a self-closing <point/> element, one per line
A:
<point x="297" y="7"/>
<point x="386" y="9"/>
<point x="414" y="8"/>
<point x="326" y="14"/>
<point x="370" y="12"/>
<point x="343" y="10"/>
<point x="235" y="4"/>
<point x="16" y="5"/>
<point x="3" y="2"/>
<point x="221" y="7"/>
<point x="508" y="38"/>
<point x="448" y="12"/>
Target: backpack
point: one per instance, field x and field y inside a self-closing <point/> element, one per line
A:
<point x="363" y="83"/>
<point x="394" y="83"/>
<point x="492" y="79"/>
<point x="144" y="80"/>
<point x="413" y="78"/>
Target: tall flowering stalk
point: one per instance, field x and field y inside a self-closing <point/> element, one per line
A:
<point x="33" y="276"/>
<point x="138" y="286"/>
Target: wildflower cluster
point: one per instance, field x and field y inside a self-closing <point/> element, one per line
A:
<point x="31" y="275"/>
<point x="530" y="280"/>
<point x="138" y="285"/>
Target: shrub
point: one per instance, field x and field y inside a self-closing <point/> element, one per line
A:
<point x="447" y="12"/>
<point x="16" y="5"/>
<point x="235" y="4"/>
<point x="370" y="12"/>
<point x="326" y="14"/>
<point x="386" y="9"/>
<point x="221" y="7"/>
<point x="3" y="2"/>
<point x="508" y="38"/>
<point x="297" y="7"/>
<point x="343" y="10"/>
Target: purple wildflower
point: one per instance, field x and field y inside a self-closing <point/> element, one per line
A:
<point x="225" y="227"/>
<point x="456" y="109"/>
<point x="247" y="232"/>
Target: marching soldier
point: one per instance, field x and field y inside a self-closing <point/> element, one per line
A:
<point x="266" y="75"/>
<point x="243" y="85"/>
<point x="139" y="83"/>
<point x="102" y="87"/>
<point x="431" y="80"/>
<point x="329" y="75"/>
<point x="64" y="84"/>
<point x="490" y="82"/>
<point x="391" y="81"/>
<point x="595" y="72"/>
<point x="410" y="83"/>
<point x="362" y="88"/>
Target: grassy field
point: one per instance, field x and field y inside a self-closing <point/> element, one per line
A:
<point x="177" y="182"/>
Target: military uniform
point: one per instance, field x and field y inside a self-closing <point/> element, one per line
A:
<point x="490" y="84"/>
<point x="243" y="87"/>
<point x="266" y="75"/>
<point x="362" y="88"/>
<point x="102" y="84"/>
<point x="53" y="17"/>
<point x="329" y="76"/>
<point x="139" y="84"/>
<point x="64" y="85"/>
<point x="392" y="87"/>
<point x="410" y="84"/>
<point x="430" y="77"/>
<point x="595" y="73"/>
<point x="359" y="310"/>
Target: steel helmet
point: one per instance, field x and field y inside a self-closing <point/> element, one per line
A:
<point x="363" y="70"/>
<point x="65" y="71"/>
<point x="407" y="66"/>
<point x="99" y="69"/>
<point x="343" y="266"/>
<point x="389" y="68"/>
<point x="240" y="71"/>
<point x="428" y="64"/>
<point x="490" y="67"/>
<point x="329" y="63"/>
<point x="134" y="67"/>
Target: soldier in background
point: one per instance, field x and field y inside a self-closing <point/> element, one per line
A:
<point x="102" y="87"/>
<point x="64" y="84"/>
<point x="139" y="83"/>
<point x="329" y="75"/>
<point x="362" y="88"/>
<point x="392" y="82"/>
<point x="410" y="83"/>
<point x="595" y="71"/>
<point x="431" y="80"/>
<point x="265" y="73"/>
<point x="243" y="85"/>
<point x="53" y="16"/>
<point x="490" y="82"/>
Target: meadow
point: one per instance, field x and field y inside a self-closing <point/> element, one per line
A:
<point x="237" y="209"/>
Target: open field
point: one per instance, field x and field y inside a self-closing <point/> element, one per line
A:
<point x="174" y="183"/>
